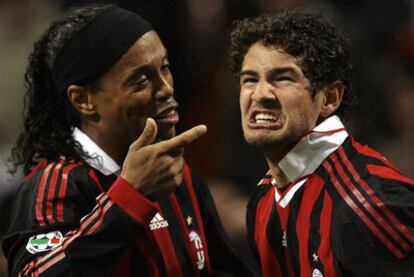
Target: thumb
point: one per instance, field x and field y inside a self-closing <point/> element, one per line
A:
<point x="147" y="136"/>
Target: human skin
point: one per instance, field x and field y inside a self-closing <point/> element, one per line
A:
<point x="277" y="107"/>
<point x="132" y="117"/>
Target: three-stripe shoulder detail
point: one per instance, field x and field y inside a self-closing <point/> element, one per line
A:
<point x="89" y="224"/>
<point x="51" y="192"/>
<point x="367" y="205"/>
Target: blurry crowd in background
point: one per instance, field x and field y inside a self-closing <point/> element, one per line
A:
<point x="196" y="34"/>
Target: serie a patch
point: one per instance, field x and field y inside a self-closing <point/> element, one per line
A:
<point x="44" y="242"/>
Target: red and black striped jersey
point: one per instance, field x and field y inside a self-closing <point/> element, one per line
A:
<point x="352" y="216"/>
<point x="70" y="219"/>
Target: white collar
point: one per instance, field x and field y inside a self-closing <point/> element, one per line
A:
<point x="100" y="160"/>
<point x="312" y="149"/>
<point x="284" y="199"/>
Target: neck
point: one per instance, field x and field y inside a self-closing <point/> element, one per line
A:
<point x="273" y="154"/>
<point x="306" y="155"/>
<point x="114" y="149"/>
<point x="281" y="179"/>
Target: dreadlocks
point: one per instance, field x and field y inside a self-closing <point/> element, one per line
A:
<point x="49" y="118"/>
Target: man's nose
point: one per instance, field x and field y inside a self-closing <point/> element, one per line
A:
<point x="165" y="87"/>
<point x="264" y="92"/>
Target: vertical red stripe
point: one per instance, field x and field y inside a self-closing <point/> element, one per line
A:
<point x="189" y="182"/>
<point x="359" y="212"/>
<point x="123" y="268"/>
<point x="42" y="163"/>
<point x="92" y="174"/>
<point x="284" y="217"/>
<point x="152" y="256"/>
<point x="62" y="191"/>
<point x="376" y="199"/>
<point x="172" y="265"/>
<point x="40" y="196"/>
<point x="51" y="194"/>
<point x="269" y="261"/>
<point x="325" y="247"/>
<point x="163" y="238"/>
<point x="312" y="191"/>
<point x="183" y="227"/>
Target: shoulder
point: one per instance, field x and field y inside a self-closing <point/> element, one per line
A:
<point x="358" y="169"/>
<point x="45" y="168"/>
<point x="366" y="161"/>
<point x="61" y="176"/>
<point x="262" y="189"/>
<point x="364" y="173"/>
<point x="54" y="192"/>
<point x="372" y="197"/>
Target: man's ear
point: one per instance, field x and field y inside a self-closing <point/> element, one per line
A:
<point x="332" y="98"/>
<point x="81" y="99"/>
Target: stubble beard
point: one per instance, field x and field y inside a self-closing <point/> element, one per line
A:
<point x="271" y="146"/>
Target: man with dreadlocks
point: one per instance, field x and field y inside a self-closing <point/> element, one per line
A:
<point x="328" y="206"/>
<point x="107" y="190"/>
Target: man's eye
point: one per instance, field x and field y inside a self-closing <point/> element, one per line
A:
<point x="248" y="80"/>
<point x="142" y="83"/>
<point x="285" y="78"/>
<point x="165" y="67"/>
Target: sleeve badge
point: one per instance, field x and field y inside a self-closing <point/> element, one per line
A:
<point x="44" y="242"/>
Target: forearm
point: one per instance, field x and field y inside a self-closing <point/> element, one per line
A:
<point x="101" y="237"/>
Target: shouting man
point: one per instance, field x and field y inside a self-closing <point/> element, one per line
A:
<point x="328" y="205"/>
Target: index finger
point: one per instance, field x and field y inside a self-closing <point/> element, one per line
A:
<point x="183" y="139"/>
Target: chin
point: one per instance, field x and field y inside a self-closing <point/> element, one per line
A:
<point x="166" y="134"/>
<point x="258" y="136"/>
<point x="260" y="142"/>
<point x="264" y="141"/>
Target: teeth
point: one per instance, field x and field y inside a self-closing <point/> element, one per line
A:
<point x="264" y="118"/>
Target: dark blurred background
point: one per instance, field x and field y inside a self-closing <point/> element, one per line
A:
<point x="196" y="33"/>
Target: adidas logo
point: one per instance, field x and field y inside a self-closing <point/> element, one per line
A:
<point x="158" y="222"/>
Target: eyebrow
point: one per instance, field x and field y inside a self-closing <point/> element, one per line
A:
<point x="273" y="72"/>
<point x="282" y="70"/>
<point x="248" y="72"/>
<point x="143" y="69"/>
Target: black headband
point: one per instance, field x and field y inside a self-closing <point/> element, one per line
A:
<point x="98" y="46"/>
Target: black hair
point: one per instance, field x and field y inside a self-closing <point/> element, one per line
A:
<point x="49" y="118"/>
<point x="322" y="50"/>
